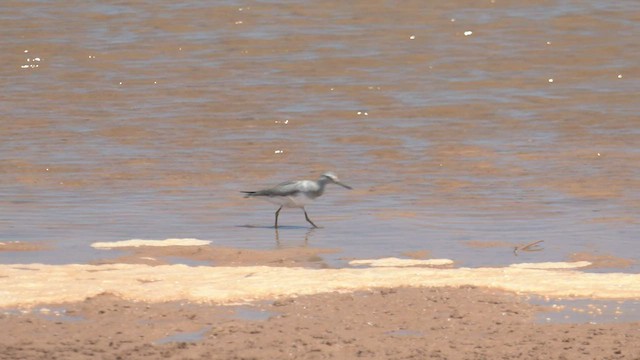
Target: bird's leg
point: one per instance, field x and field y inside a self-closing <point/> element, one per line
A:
<point x="277" y="238"/>
<point x="309" y="220"/>
<point x="277" y="212"/>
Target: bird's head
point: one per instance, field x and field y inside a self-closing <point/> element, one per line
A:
<point x="333" y="178"/>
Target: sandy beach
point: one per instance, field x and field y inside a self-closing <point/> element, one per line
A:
<point x="390" y="323"/>
<point x="281" y="304"/>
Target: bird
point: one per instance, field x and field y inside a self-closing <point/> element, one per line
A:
<point x="296" y="194"/>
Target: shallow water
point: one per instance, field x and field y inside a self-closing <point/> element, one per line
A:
<point x="145" y="120"/>
<point x="587" y="311"/>
<point x="252" y="314"/>
<point x="193" y="336"/>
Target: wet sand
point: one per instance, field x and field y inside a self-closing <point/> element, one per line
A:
<point x="397" y="323"/>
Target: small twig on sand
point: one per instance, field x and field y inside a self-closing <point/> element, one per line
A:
<point x="528" y="247"/>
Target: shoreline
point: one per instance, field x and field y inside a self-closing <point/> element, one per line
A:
<point x="222" y="275"/>
<point x="34" y="284"/>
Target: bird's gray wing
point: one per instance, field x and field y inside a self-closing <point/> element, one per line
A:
<point x="288" y="188"/>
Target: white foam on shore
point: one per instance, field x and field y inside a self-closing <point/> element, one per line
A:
<point x="140" y="242"/>
<point x="396" y="262"/>
<point x="552" y="265"/>
<point x="33" y="284"/>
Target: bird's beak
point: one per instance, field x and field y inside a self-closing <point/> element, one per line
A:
<point x="344" y="185"/>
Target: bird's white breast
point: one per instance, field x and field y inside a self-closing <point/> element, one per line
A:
<point x="291" y="201"/>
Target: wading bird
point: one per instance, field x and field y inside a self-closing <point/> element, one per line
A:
<point x="296" y="194"/>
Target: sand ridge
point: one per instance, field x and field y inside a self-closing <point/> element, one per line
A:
<point x="32" y="284"/>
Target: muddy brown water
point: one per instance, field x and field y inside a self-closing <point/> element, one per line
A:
<point x="456" y="123"/>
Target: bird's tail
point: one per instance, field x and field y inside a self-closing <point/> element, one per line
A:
<point x="248" y="193"/>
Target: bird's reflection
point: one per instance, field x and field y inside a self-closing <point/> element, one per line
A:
<point x="307" y="236"/>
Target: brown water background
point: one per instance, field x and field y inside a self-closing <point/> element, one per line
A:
<point x="456" y="122"/>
